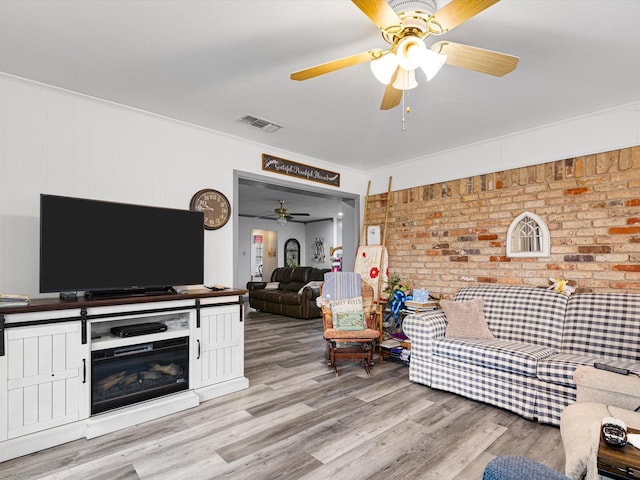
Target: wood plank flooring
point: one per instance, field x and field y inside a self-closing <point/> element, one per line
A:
<point x="299" y="421"/>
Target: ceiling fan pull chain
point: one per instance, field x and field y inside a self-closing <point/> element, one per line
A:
<point x="406" y="109"/>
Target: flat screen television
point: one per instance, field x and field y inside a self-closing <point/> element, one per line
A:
<point x="107" y="248"/>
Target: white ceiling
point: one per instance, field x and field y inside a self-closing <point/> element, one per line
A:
<point x="211" y="62"/>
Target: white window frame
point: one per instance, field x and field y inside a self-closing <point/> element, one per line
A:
<point x="537" y="236"/>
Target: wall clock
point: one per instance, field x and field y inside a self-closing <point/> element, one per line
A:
<point x="215" y="206"/>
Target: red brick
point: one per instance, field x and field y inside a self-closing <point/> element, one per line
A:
<point x="501" y="258"/>
<point x="627" y="268"/>
<point x="594" y="249"/>
<point x="576" y="191"/>
<point x="624" y="230"/>
<point x="625" y="285"/>
<point x="633" y="202"/>
<point x="579" y="258"/>
<point x="487" y="280"/>
<point x="633" y="221"/>
<point x="489" y="237"/>
<point x="560" y="266"/>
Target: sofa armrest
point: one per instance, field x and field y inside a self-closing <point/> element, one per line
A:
<point x="601" y="386"/>
<point x="423" y="328"/>
<point x="256" y="285"/>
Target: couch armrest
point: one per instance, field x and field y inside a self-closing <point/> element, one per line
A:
<point x="423" y="328"/>
<point x="600" y="386"/>
<point x="256" y="285"/>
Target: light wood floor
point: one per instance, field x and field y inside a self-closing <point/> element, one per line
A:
<point x="298" y="420"/>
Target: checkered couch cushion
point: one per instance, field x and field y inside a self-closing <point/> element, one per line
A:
<point x="521" y="314"/>
<point x="603" y="325"/>
<point x="515" y="357"/>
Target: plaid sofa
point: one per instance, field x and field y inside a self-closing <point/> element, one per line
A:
<point x="541" y="337"/>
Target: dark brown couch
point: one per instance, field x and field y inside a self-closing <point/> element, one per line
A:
<point x="291" y="297"/>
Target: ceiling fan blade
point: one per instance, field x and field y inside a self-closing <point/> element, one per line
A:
<point x="336" y="65"/>
<point x="477" y="59"/>
<point x="459" y="11"/>
<point x="379" y="12"/>
<point x="392" y="96"/>
<point x="300" y="214"/>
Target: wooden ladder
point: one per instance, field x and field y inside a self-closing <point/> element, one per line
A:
<point x="383" y="236"/>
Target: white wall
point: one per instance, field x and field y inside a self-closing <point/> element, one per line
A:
<point x="284" y="232"/>
<point x="322" y="229"/>
<point x="59" y="142"/>
<point x="598" y="132"/>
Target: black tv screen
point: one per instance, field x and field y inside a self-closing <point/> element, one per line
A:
<point x="92" y="245"/>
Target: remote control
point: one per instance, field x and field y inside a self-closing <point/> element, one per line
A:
<point x="604" y="366"/>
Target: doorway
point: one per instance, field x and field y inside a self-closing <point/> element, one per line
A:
<point x="255" y="197"/>
<point x="264" y="254"/>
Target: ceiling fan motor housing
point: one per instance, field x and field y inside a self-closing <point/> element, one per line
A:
<point x="428" y="6"/>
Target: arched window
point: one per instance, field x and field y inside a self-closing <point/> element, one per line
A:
<point x="528" y="236"/>
<point x="292" y="253"/>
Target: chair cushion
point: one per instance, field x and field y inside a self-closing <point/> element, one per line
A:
<point x="465" y="319"/>
<point x="513" y="357"/>
<point x="366" y="334"/>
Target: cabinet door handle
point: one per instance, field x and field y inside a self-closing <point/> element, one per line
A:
<point x="198" y="350"/>
<point x="84" y="370"/>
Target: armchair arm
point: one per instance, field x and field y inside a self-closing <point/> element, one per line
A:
<point x="256" y="285"/>
<point x="422" y="329"/>
<point x="601" y="386"/>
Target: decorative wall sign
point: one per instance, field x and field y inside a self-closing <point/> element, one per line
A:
<point x="299" y="170"/>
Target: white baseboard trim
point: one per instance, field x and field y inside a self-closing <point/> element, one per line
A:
<point x="222" y="388"/>
<point x="34" y="442"/>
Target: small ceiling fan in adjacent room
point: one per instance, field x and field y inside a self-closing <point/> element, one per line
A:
<point x="405" y="32"/>
<point x="283" y="215"/>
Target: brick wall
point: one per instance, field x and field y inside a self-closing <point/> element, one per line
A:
<point x="449" y="235"/>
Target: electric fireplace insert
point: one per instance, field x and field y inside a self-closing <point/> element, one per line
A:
<point x="130" y="374"/>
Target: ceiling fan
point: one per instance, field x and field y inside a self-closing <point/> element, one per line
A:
<point x="405" y="32"/>
<point x="283" y="214"/>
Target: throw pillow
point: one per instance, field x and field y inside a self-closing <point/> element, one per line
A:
<point x="312" y="284"/>
<point x="348" y="305"/>
<point x="466" y="319"/>
<point x="272" y="286"/>
<point x="349" y="321"/>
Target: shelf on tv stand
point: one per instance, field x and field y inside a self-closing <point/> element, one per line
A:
<point x="128" y="292"/>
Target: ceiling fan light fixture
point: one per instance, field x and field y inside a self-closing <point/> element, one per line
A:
<point x="432" y="62"/>
<point x="281" y="219"/>
<point x="410" y="52"/>
<point x="384" y="67"/>
<point x="405" y="80"/>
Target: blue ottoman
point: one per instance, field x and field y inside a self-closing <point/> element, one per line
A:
<point x="514" y="467"/>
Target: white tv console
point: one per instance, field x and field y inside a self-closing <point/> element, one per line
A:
<point x="45" y="362"/>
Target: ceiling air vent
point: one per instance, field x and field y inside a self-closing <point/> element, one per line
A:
<point x="260" y="123"/>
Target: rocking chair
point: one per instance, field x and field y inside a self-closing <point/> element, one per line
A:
<point x="349" y="319"/>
